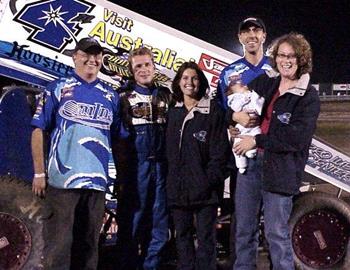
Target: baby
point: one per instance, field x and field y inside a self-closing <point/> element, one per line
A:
<point x="240" y="98"/>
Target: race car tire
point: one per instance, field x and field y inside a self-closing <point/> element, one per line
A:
<point x="320" y="229"/>
<point x="21" y="214"/>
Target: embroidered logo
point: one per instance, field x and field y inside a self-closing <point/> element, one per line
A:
<point x="67" y="92"/>
<point x="108" y="96"/>
<point x="200" y="136"/>
<point x="141" y="110"/>
<point x="284" y="117"/>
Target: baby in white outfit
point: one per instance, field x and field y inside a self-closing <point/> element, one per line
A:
<point x="240" y="98"/>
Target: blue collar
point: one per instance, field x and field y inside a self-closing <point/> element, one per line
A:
<point x="144" y="90"/>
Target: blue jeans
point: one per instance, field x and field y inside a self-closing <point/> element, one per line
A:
<point x="277" y="209"/>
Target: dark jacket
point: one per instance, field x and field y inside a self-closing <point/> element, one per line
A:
<point x="293" y="122"/>
<point x="197" y="148"/>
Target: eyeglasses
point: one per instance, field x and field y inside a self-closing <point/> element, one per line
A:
<point x="286" y="56"/>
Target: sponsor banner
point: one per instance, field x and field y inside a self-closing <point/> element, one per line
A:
<point x="341" y="87"/>
<point x="37" y="38"/>
<point x="44" y="33"/>
<point x="212" y="67"/>
<point x="329" y="164"/>
<point x="21" y="58"/>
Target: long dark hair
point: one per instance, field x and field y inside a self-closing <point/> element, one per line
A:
<point x="203" y="82"/>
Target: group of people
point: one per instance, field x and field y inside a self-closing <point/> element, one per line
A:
<point x="173" y="154"/>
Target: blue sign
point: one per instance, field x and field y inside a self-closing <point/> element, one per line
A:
<point x="54" y="24"/>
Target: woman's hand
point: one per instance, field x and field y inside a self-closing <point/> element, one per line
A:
<point x="246" y="119"/>
<point x="247" y="143"/>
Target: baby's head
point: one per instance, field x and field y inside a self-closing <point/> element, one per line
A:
<point x="236" y="87"/>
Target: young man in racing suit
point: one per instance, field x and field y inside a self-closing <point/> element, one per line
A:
<point x="142" y="169"/>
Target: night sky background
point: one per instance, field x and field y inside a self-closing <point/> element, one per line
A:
<point x="325" y="23"/>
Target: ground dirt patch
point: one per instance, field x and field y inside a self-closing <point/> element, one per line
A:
<point x="333" y="124"/>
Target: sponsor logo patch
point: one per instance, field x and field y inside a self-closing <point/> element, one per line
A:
<point x="284" y="117"/>
<point x="201" y="136"/>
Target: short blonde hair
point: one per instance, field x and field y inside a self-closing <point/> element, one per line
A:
<point x="139" y="51"/>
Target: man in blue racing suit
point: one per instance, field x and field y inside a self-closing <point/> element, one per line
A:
<point x="143" y="220"/>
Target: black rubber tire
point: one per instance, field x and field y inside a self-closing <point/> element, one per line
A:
<point x="18" y="201"/>
<point x="320" y="229"/>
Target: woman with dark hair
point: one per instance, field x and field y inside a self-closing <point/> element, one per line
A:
<point x="288" y="122"/>
<point x="197" y="147"/>
<point x="203" y="82"/>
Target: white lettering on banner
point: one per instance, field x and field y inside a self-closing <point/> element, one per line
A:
<point x="85" y="113"/>
<point x="329" y="164"/>
<point x="211" y="64"/>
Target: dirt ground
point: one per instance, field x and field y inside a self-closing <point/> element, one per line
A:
<point x="333" y="124"/>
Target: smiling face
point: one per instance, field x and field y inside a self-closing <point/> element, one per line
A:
<point x="189" y="83"/>
<point x="252" y="39"/>
<point x="87" y="65"/>
<point x="286" y="61"/>
<point x="143" y="69"/>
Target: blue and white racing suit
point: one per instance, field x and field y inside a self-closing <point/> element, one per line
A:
<point x="142" y="171"/>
